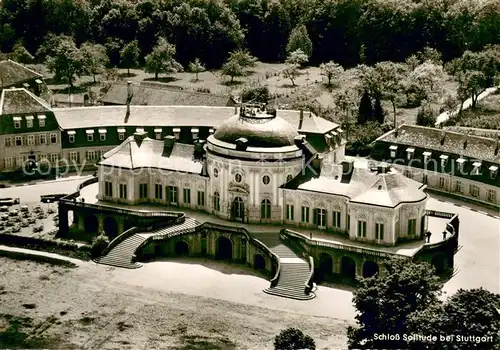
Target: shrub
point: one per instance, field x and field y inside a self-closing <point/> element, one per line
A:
<point x="361" y="137"/>
<point x="426" y="116"/>
<point x="99" y="244"/>
<point x="293" y="339"/>
<point x="258" y="94"/>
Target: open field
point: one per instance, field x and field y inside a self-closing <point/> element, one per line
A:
<point x="310" y="86"/>
<point x="486" y="115"/>
<point x="97" y="307"/>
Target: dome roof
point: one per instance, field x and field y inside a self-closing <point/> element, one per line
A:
<point x="260" y="129"/>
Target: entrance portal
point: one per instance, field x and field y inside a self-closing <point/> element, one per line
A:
<point x="181" y="248"/>
<point x="238" y="209"/>
<point x="90" y="223"/>
<point x="370" y="269"/>
<point x="110" y="227"/>
<point x="224" y="249"/>
<point x="259" y="262"/>
<point x="348" y="267"/>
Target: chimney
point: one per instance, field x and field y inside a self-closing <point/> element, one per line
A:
<point x="347" y="167"/>
<point x="139" y="136"/>
<point x="301" y="120"/>
<point x="168" y="142"/>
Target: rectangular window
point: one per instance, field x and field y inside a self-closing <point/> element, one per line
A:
<point x="103" y="137"/>
<point x="91" y="155"/>
<point x="41" y="122"/>
<point x="71" y="138"/>
<point x="29" y="123"/>
<point x="42" y="139"/>
<point x="158" y="191"/>
<point x="90" y="137"/>
<point x="361" y="228"/>
<point x="379" y="231"/>
<point x="186" y="198"/>
<point x="201" y="198"/>
<point x="441" y="183"/>
<point x="412" y="227"/>
<point x="8" y="142"/>
<point x="492" y="196"/>
<point x="19" y="161"/>
<point x="143" y="191"/>
<point x="458" y="187"/>
<point x="108" y="189"/>
<point x="54" y="158"/>
<point x="304" y="214"/>
<point x="8" y="162"/>
<point x="289" y="212"/>
<point x="172" y="194"/>
<point x="474" y="190"/>
<point x="31" y="140"/>
<point x="17" y="124"/>
<point x="121" y="136"/>
<point x="123" y="191"/>
<point x="73" y="156"/>
<point x="53" y="138"/>
<point x="336" y="219"/>
<point x="320" y="217"/>
<point x="19" y="141"/>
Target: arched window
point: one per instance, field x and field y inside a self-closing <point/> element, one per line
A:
<point x="216" y="172"/>
<point x="265" y="209"/>
<point x="216" y="201"/>
<point x="266" y="179"/>
<point x="238" y="178"/>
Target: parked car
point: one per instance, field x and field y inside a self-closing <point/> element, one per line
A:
<point x="38" y="228"/>
<point x="50" y="198"/>
<point x="9" y="201"/>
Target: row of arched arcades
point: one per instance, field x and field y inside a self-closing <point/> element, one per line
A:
<point x="223" y="251"/>
<point x="347" y="267"/>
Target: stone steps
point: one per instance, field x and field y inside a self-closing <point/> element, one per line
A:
<point x="291" y="283"/>
<point x="121" y="255"/>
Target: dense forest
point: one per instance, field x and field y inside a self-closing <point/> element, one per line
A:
<point x="348" y="32"/>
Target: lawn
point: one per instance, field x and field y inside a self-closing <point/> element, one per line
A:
<point x="486" y="115"/>
<point x="310" y="86"/>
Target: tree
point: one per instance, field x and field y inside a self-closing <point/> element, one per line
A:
<point x="297" y="57"/>
<point x="196" y="67"/>
<point x="233" y="69"/>
<point x="426" y="115"/>
<point x="67" y="60"/>
<point x="291" y="71"/>
<point x="259" y="94"/>
<point x="99" y="244"/>
<point x="95" y="59"/>
<point x="331" y="70"/>
<point x="378" y="111"/>
<point x="49" y="46"/>
<point x="384" y="303"/>
<point x="365" y="112"/>
<point x="129" y="56"/>
<point x="162" y="59"/>
<point x="424" y="83"/>
<point x="473" y="312"/>
<point x="430" y="54"/>
<point x="243" y="58"/>
<point x="299" y="40"/>
<point x="346" y="108"/>
<point x="293" y="339"/>
<point x="391" y="77"/>
<point x="20" y="54"/>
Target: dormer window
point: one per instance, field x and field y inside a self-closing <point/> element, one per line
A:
<point x="493" y="171"/>
<point x="177" y="133"/>
<point x="140" y="130"/>
<point x="194" y="132"/>
<point x="444" y="160"/>
<point x="393" y="149"/>
<point x="17" y="122"/>
<point x="410" y="152"/>
<point x="102" y="134"/>
<point x="29" y="121"/>
<point x="427" y="156"/>
<point x="211" y="131"/>
<point x="476" y="167"/>
<point x="158" y="133"/>
<point x="71" y="136"/>
<point x="460" y="164"/>
<point x="121" y="134"/>
<point x="41" y="121"/>
<point x="90" y="135"/>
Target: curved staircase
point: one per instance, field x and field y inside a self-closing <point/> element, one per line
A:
<point x="122" y="254"/>
<point x="294" y="271"/>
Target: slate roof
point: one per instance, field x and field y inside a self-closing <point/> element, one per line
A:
<point x="13" y="73"/>
<point x="453" y="142"/>
<point x="158" y="96"/>
<point x="150" y="153"/>
<point x="21" y="101"/>
<point x="102" y="116"/>
<point x="362" y="186"/>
